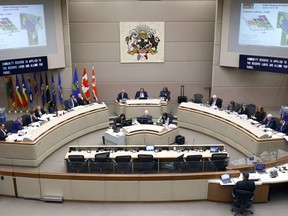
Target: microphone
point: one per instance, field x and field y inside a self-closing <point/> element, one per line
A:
<point x="193" y="143"/>
<point x="78" y="145"/>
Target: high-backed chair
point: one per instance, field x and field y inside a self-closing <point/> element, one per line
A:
<point x="198" y="98"/>
<point x="145" y="163"/>
<point x="218" y="161"/>
<point x="176" y="165"/>
<point x="77" y="164"/>
<point x="123" y="164"/>
<point x="171" y="117"/>
<point x="25" y="119"/>
<point x="194" y="163"/>
<point x="242" y="202"/>
<point x="101" y="163"/>
<point x="251" y="109"/>
<point x="9" y="125"/>
<point x="65" y="103"/>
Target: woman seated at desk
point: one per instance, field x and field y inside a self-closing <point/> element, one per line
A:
<point x="164" y="119"/>
<point x="121" y="121"/>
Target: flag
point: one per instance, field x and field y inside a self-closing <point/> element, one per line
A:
<point x="75" y="84"/>
<point x="19" y="101"/>
<point x="53" y="89"/>
<point x="24" y="92"/>
<point x="35" y="86"/>
<point x="10" y="89"/>
<point x="61" y="97"/>
<point x="94" y="87"/>
<point x="48" y="97"/>
<point x="85" y="84"/>
<point x="30" y="93"/>
<point x="42" y="90"/>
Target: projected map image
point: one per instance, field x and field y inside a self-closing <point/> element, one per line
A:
<point x="32" y="24"/>
<point x="259" y="23"/>
<point x="6" y="26"/>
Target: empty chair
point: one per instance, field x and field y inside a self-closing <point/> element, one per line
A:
<point x="171" y="117"/>
<point x="177" y="164"/>
<point x="145" y="163"/>
<point x="251" y="109"/>
<point x="123" y="164"/>
<point x="242" y="202"/>
<point x="198" y="98"/>
<point x="77" y="164"/>
<point x="8" y="125"/>
<point x="194" y="163"/>
<point x="65" y="103"/>
<point x="218" y="161"/>
<point x="101" y="163"/>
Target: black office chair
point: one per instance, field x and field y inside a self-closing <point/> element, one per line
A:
<point x="145" y="163"/>
<point x="123" y="164"/>
<point x="77" y="164"/>
<point x="25" y="119"/>
<point x="9" y="125"/>
<point x="198" y="98"/>
<point x="194" y="163"/>
<point x="218" y="161"/>
<point x="65" y="103"/>
<point x="251" y="109"/>
<point x="171" y="117"/>
<point x="101" y="163"/>
<point x="176" y="165"/>
<point x="237" y="107"/>
<point x="242" y="202"/>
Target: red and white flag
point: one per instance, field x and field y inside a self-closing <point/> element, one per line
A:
<point x="85" y="84"/>
<point x="94" y="87"/>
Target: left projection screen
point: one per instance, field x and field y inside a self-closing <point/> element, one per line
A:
<point x="28" y="28"/>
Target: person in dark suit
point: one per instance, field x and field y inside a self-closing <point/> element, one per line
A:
<point x="244" y="110"/>
<point x="283" y="127"/>
<point x="30" y="119"/>
<point x="269" y="122"/>
<point x="165" y="93"/>
<point x="52" y="108"/>
<point x="148" y="117"/>
<point x="39" y="111"/>
<point x="3" y="132"/>
<point x="17" y="125"/>
<point x="260" y="114"/>
<point x="215" y="102"/>
<point x="122" y="95"/>
<point x="164" y="119"/>
<point x="72" y="102"/>
<point x="245" y="184"/>
<point x="118" y="121"/>
<point x="81" y="100"/>
<point x="141" y="94"/>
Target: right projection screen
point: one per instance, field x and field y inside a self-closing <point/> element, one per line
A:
<point x="253" y="28"/>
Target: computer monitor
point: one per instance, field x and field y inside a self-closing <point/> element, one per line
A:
<point x="127" y="122"/>
<point x="142" y="98"/>
<point x="214" y="149"/>
<point x="149" y="148"/>
<point x="142" y="120"/>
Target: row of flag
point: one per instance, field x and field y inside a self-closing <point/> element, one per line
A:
<point x="23" y="95"/>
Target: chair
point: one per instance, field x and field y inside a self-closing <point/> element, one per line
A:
<point x="176" y="165"/>
<point x="77" y="164"/>
<point x="237" y="107"/>
<point x="218" y="161"/>
<point x="101" y="163"/>
<point x="123" y="164"/>
<point x="145" y="163"/>
<point x="242" y="202"/>
<point x="65" y="103"/>
<point x="194" y="163"/>
<point x="251" y="109"/>
<point x="171" y="117"/>
<point x="9" y="125"/>
<point x="25" y="119"/>
<point x="198" y="98"/>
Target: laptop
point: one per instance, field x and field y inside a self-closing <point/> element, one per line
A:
<point x="150" y="148"/>
<point x="225" y="178"/>
<point x="260" y="168"/>
<point x="214" y="149"/>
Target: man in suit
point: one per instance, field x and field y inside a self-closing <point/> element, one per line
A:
<point x="215" y="102"/>
<point x="270" y="122"/>
<point x="39" y="111"/>
<point x="245" y="184"/>
<point x="17" y="125"/>
<point x="72" y="102"/>
<point x="148" y="117"/>
<point x="165" y="93"/>
<point x="29" y="119"/>
<point x="81" y="100"/>
<point x="283" y="127"/>
<point x="141" y="94"/>
<point x="122" y="95"/>
<point x="3" y="132"/>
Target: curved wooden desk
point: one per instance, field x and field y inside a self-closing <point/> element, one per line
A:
<point x="238" y="133"/>
<point x="133" y="108"/>
<point x="50" y="136"/>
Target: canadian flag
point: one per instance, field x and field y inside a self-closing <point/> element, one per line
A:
<point x="85" y="84"/>
<point x="94" y="87"/>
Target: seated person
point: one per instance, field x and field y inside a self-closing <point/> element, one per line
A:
<point x="52" y="108"/>
<point x="141" y="94"/>
<point x="17" y="125"/>
<point x="244" y="110"/>
<point x="283" y="127"/>
<point x="148" y="117"/>
<point x="269" y="122"/>
<point x="233" y="107"/>
<point x="259" y="115"/>
<point x="122" y="95"/>
<point x="81" y="100"/>
<point x="245" y="184"/>
<point x="118" y="121"/>
<point x="30" y="119"/>
<point x="39" y="111"/>
<point x="165" y="93"/>
<point x="3" y="132"/>
<point x="164" y="119"/>
<point x="215" y="102"/>
<point x="72" y="102"/>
